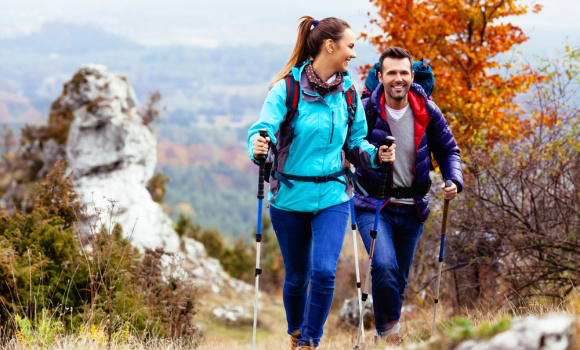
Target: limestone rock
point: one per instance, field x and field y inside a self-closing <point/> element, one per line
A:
<point x="551" y="332"/>
<point x="230" y="313"/>
<point x="349" y="314"/>
<point x="112" y="155"/>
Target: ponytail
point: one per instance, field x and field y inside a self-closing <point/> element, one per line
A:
<point x="311" y="35"/>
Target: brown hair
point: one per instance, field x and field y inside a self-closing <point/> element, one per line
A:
<point x="395" y="52"/>
<point x="310" y="40"/>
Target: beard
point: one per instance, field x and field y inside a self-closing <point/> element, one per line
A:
<point x="398" y="95"/>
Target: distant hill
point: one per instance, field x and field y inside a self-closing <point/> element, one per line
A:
<point x="68" y="38"/>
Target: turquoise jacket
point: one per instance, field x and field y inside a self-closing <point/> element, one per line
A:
<point x="319" y="132"/>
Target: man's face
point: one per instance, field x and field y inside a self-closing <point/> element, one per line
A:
<point x="396" y="76"/>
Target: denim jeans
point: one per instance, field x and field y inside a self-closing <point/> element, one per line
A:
<point x="398" y="233"/>
<point x="310" y="245"/>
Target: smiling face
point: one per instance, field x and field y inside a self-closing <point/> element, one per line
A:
<point x="396" y="76"/>
<point x="343" y="51"/>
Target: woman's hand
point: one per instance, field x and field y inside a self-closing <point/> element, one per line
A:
<point x="260" y="146"/>
<point x="387" y="155"/>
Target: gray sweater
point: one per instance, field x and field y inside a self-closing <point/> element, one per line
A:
<point x="403" y="130"/>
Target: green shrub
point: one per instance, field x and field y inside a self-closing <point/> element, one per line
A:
<point x="82" y="278"/>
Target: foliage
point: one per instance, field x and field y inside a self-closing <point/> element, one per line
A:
<point x="40" y="255"/>
<point x="157" y="187"/>
<point x="520" y="216"/>
<point x="45" y="330"/>
<point x="221" y="196"/>
<point x="84" y="276"/>
<point x="463" y="39"/>
<point x="461" y="328"/>
<point x="237" y="259"/>
<point x="186" y="228"/>
<point x="151" y="112"/>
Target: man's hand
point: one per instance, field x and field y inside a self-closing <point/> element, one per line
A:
<point x="449" y="192"/>
<point x="387" y="154"/>
<point x="261" y="146"/>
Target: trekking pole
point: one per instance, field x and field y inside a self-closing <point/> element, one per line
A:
<point x="448" y="183"/>
<point x="261" y="161"/>
<point x="358" y="285"/>
<point x="388" y="141"/>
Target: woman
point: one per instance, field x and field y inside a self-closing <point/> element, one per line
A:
<point x="309" y="191"/>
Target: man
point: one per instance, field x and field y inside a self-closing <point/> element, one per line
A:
<point x="401" y="109"/>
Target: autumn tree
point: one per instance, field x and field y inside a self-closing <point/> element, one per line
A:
<point x="463" y="39"/>
<point x="519" y="220"/>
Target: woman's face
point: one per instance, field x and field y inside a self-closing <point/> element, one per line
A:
<point x="343" y="51"/>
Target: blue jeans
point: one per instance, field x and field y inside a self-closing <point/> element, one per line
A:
<point x="398" y="233"/>
<point x="310" y="245"/>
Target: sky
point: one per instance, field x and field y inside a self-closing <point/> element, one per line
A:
<point x="236" y="22"/>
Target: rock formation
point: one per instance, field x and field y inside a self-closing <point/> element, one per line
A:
<point x="111" y="152"/>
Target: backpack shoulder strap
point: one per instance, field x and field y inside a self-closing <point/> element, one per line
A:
<point x="292" y="95"/>
<point x="351" y="101"/>
<point x="371" y="115"/>
<point x="292" y="99"/>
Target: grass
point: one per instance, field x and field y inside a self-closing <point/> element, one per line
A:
<point x="219" y="335"/>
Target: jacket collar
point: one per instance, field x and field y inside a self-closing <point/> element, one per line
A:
<point x="309" y="92"/>
<point x="417" y="101"/>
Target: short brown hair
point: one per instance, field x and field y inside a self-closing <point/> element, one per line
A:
<point x="396" y="52"/>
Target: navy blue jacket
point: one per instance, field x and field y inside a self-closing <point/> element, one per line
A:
<point x="432" y="134"/>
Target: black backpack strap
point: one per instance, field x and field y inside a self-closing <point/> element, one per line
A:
<point x="292" y="99"/>
<point x="316" y="179"/>
<point x="351" y="105"/>
<point x="351" y="102"/>
<point x="371" y="115"/>
<point x="397" y="192"/>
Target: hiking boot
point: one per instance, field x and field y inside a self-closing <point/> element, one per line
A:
<point x="393" y="339"/>
<point x="294" y="339"/>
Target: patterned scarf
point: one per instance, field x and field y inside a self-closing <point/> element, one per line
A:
<point x="320" y="86"/>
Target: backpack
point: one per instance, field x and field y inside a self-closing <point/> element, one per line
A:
<point x="292" y="100"/>
<point x="423" y="76"/>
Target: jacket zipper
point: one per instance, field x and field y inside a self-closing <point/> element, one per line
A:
<point x="332" y="130"/>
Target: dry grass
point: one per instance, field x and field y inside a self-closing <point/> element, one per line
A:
<point x="416" y="328"/>
<point x="220" y="335"/>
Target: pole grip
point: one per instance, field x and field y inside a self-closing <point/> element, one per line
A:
<point x="261" y="162"/>
<point x="448" y="183"/>
<point x="387" y="141"/>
